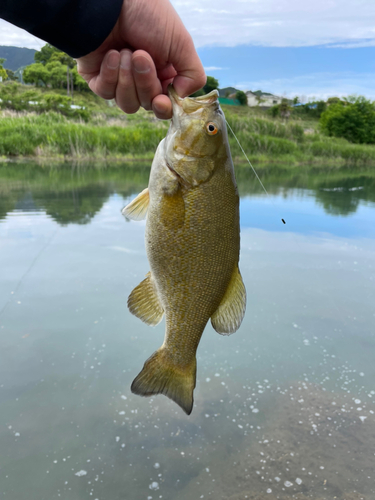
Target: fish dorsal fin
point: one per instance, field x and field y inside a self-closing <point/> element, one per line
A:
<point x="144" y="302"/>
<point x="229" y="315"/>
<point x="137" y="209"/>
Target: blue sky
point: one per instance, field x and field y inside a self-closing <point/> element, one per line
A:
<point x="303" y="71"/>
<point x="308" y="48"/>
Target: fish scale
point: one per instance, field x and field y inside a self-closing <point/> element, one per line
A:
<point x="192" y="243"/>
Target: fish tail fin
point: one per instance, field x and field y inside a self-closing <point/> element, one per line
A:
<point x="161" y="376"/>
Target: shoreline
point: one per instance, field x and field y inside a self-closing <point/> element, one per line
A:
<point x="284" y="162"/>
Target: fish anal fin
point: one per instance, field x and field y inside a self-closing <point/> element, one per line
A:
<point x="161" y="376"/>
<point x="144" y="302"/>
<point x="137" y="209"/>
<point x="229" y="315"/>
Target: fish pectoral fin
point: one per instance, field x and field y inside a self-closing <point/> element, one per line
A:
<point x="137" y="209"/>
<point x="161" y="376"/>
<point x="229" y="315"/>
<point x="144" y="302"/>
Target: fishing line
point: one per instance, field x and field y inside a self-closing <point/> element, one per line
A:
<point x="253" y="169"/>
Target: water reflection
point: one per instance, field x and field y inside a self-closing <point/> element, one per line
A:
<point x="284" y="408"/>
<point x="75" y="194"/>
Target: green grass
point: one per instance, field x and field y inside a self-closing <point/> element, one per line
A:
<point x="110" y="134"/>
<point x="51" y="134"/>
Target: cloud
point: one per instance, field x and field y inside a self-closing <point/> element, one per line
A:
<point x="214" y="68"/>
<point x="278" y="23"/>
<point x="315" y="86"/>
<point x="11" y="35"/>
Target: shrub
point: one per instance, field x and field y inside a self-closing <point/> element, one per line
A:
<point x="354" y="120"/>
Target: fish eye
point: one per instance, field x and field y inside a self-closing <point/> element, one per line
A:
<point x="211" y="128"/>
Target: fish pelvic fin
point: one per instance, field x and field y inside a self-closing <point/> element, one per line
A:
<point x="144" y="302"/>
<point x="160" y="376"/>
<point x="137" y="209"/>
<point x="229" y="315"/>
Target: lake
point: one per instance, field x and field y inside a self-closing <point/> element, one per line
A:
<point x="284" y="408"/>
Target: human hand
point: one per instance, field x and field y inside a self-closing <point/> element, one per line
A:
<point x="148" y="48"/>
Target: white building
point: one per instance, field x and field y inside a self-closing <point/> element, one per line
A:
<point x="265" y="100"/>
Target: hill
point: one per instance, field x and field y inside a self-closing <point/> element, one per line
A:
<point x="16" y="56"/>
<point x="227" y="91"/>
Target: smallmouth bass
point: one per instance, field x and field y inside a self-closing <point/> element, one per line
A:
<point x="192" y="243"/>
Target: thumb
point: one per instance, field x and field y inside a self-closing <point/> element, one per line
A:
<point x="190" y="73"/>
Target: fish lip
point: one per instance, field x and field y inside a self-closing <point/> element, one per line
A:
<point x="173" y="96"/>
<point x="191" y="104"/>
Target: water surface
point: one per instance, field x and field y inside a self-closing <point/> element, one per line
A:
<point x="284" y="408"/>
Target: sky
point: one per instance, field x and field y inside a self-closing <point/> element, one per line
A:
<point x="313" y="49"/>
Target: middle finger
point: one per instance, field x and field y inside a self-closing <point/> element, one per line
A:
<point x="145" y="77"/>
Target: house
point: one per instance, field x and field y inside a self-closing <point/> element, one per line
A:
<point x="262" y="99"/>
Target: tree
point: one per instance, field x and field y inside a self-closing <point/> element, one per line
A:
<point x="321" y="106"/>
<point x="241" y="97"/>
<point x="3" y="73"/>
<point x="36" y="73"/>
<point x="284" y="108"/>
<point x="333" y="100"/>
<point x="354" y="120"/>
<point x="57" y="74"/>
<point x="211" y="84"/>
<point x="11" y="75"/>
<point x="79" y="82"/>
<point x="43" y="55"/>
<point x="49" y="56"/>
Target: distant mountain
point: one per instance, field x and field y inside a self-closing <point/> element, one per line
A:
<point x="260" y="93"/>
<point x="16" y="56"/>
<point x="227" y="91"/>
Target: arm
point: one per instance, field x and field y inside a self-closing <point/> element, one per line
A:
<point x="129" y="50"/>
<point x="76" y="27"/>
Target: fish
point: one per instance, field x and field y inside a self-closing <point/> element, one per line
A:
<point x="192" y="241"/>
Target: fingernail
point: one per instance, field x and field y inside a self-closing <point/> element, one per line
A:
<point x="141" y="64"/>
<point x="113" y="61"/>
<point x="126" y="60"/>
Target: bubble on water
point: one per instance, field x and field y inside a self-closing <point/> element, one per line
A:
<point x="255" y="410"/>
<point x="154" y="486"/>
<point x="217" y="374"/>
<point x="298" y="480"/>
<point x="117" y="439"/>
<point x="81" y="473"/>
<point x="288" y="484"/>
<point x="17" y="434"/>
<point x="362" y="418"/>
<point x="277" y="479"/>
<point x="208" y="379"/>
<point x="269" y="490"/>
<point x="357" y="401"/>
<point x="361" y="374"/>
<point x="156" y="465"/>
<point x="121" y="413"/>
<point x="123" y="397"/>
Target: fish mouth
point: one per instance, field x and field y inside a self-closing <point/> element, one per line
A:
<point x="191" y="104"/>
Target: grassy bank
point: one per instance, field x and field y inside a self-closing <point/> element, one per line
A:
<point x="116" y="136"/>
